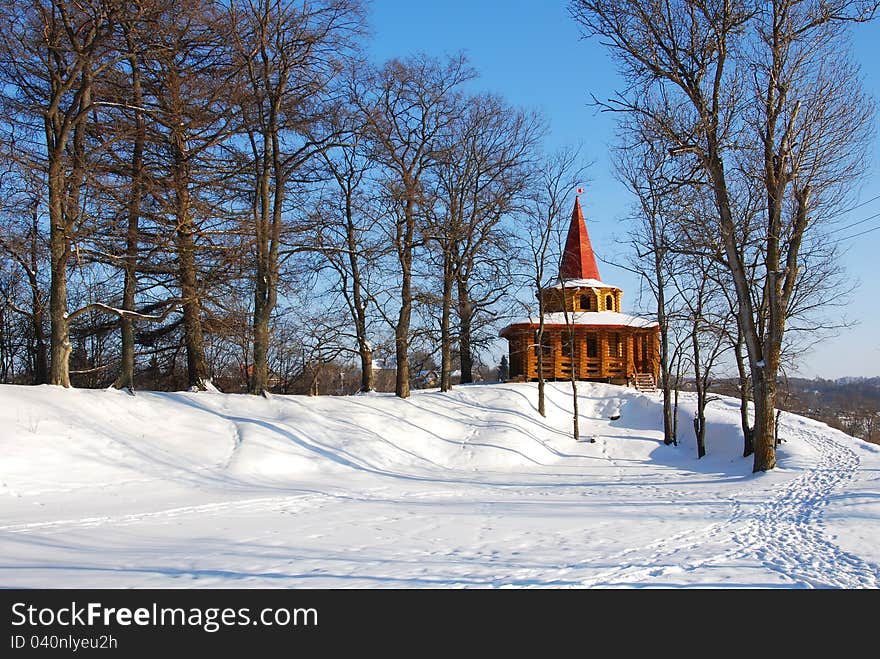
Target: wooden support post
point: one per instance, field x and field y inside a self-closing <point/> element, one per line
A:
<point x="628" y="355"/>
<point x="654" y="348"/>
<point x="557" y="354"/>
<point x="582" y="353"/>
<point x="530" y="361"/>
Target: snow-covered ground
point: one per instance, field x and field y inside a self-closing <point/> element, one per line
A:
<point x="466" y="489"/>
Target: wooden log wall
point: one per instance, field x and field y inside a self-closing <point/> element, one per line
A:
<point x="620" y="352"/>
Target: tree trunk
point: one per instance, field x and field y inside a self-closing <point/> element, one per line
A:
<point x="64" y="195"/>
<point x="358" y="304"/>
<point x="59" y="251"/>
<point x="60" y="339"/>
<point x="699" y="381"/>
<point x="746" y="425"/>
<point x="267" y="225"/>
<point x="366" y="367"/>
<point x="675" y="413"/>
<point x="40" y="351"/>
<point x="125" y="380"/>
<point x="659" y="256"/>
<point x="401" y="345"/>
<point x="263" y="304"/>
<point x="700" y="428"/>
<point x="764" y="435"/>
<point x="465" y="315"/>
<point x="64" y="124"/>
<point x="5" y="350"/>
<point x="445" y="332"/>
<point x="542" y="409"/>
<point x="765" y="450"/>
<point x="665" y="378"/>
<point x="575" y="427"/>
<point x="196" y="366"/>
<point x="668" y="429"/>
<point x="259" y="380"/>
<point x="401" y="330"/>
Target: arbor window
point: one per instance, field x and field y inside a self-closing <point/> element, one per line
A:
<point x="585" y="302"/>
<point x="609" y="303"/>
<point x="592" y="346"/>
<point x="615" y="346"/>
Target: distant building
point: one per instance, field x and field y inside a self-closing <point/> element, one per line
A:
<point x="607" y="345"/>
<point x="431" y="378"/>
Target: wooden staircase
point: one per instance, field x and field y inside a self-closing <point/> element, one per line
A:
<point x="645" y="382"/>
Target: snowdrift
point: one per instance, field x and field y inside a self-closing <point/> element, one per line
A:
<point x="53" y="439"/>
<point x="470" y="488"/>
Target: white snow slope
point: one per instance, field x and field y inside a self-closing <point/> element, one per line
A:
<point x="469" y="489"/>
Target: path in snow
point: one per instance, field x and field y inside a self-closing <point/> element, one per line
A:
<point x="783" y="535"/>
<point x="786" y="534"/>
<point x="260" y="504"/>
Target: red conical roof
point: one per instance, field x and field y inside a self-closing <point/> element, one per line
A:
<point x="578" y="260"/>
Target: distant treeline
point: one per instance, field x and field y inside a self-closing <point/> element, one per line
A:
<point x="848" y="404"/>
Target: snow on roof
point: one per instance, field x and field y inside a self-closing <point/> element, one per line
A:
<point x="600" y="318"/>
<point x="582" y="283"/>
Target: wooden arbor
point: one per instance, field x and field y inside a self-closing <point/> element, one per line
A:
<point x="584" y="328"/>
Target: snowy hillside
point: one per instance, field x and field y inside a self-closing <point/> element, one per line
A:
<point x="466" y="489"/>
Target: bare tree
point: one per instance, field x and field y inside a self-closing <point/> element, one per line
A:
<point x="347" y="232"/>
<point x="569" y="345"/>
<point x="500" y="151"/>
<point x="480" y="179"/>
<point x="22" y="241"/>
<point x="50" y="54"/>
<point x="656" y="182"/>
<point x="135" y="23"/>
<point x="546" y="213"/>
<point x="707" y="333"/>
<point x="289" y="54"/>
<point x="188" y="75"/>
<point x="770" y="85"/>
<point x="416" y="103"/>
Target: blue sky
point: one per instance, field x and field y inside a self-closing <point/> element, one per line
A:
<point x="531" y="52"/>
